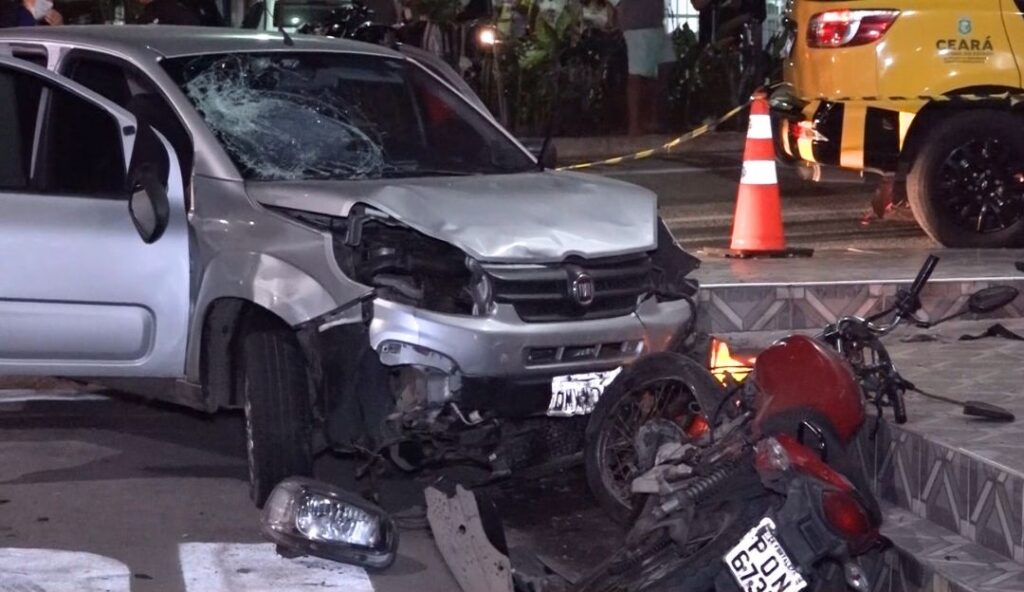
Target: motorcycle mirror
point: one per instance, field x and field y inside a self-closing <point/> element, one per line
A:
<point x="991" y="299"/>
<point x="988" y="411"/>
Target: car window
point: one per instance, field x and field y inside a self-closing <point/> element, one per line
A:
<point x="318" y="115"/>
<point x="81" y="152"/>
<point x="19" y="106"/>
<point x="34" y="54"/>
<point x="128" y="87"/>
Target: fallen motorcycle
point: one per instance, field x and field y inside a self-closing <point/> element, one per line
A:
<point x="768" y="495"/>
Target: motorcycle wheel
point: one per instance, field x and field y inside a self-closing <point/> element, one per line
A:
<point x="664" y="387"/>
<point x="661" y="565"/>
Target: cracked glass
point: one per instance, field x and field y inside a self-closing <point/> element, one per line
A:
<point x="321" y="115"/>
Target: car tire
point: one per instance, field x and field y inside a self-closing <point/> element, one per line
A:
<point x="944" y="193"/>
<point x="657" y="369"/>
<point x="278" y="410"/>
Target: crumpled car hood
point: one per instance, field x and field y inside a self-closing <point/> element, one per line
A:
<point x="527" y="217"/>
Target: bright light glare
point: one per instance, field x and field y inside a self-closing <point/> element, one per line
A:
<point x="487" y="36"/>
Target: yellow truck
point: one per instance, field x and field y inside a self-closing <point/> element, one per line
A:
<point x="926" y="91"/>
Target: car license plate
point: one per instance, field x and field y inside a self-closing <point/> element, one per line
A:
<point x="577" y="394"/>
<point x="760" y="564"/>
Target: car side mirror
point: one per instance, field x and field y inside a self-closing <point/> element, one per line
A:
<point x="991" y="299"/>
<point x="149" y="205"/>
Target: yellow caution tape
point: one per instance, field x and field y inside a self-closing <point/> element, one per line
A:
<point x="664" y="148"/>
<point x="1012" y="98"/>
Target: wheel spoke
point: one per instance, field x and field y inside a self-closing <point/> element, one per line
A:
<point x="666" y="398"/>
<point x="973" y="185"/>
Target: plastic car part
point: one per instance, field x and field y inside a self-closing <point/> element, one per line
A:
<point x="470" y="538"/>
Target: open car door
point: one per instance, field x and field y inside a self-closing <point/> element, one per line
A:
<point x="94" y="253"/>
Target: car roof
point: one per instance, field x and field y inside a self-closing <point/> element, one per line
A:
<point x="173" y="41"/>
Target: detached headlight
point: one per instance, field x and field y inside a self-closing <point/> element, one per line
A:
<point x="314" y="518"/>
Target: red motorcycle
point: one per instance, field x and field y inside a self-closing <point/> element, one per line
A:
<point x="770" y="497"/>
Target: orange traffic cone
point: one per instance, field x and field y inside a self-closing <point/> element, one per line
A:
<point x="757" y="224"/>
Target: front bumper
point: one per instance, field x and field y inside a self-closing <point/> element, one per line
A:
<point x="503" y="346"/>
<point x="860" y="135"/>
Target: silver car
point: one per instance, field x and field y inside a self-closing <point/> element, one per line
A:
<point x="328" y="234"/>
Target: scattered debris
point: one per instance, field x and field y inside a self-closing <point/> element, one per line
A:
<point x="470" y="538"/>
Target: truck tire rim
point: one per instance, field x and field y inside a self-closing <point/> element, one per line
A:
<point x="981" y="186"/>
<point x="661" y="398"/>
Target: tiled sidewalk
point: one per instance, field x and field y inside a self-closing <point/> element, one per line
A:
<point x="961" y="473"/>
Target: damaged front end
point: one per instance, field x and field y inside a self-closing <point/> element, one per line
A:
<point x="451" y="359"/>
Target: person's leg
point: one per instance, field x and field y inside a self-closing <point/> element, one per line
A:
<point x="635" y="91"/>
<point x="638" y="93"/>
<point x="650" y="100"/>
<point x="666" y="57"/>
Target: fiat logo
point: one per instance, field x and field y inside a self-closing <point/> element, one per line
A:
<point x="581" y="289"/>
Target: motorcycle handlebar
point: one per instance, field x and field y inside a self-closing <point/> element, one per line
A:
<point x="899" y="408"/>
<point x="923" y="275"/>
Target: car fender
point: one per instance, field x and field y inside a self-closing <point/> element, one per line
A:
<point x="260" y="279"/>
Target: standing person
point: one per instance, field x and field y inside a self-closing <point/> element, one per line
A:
<point x="167" y="12"/>
<point x="29" y="13"/>
<point x="647" y="47"/>
<point x="599" y="14"/>
<point x="715" y="15"/>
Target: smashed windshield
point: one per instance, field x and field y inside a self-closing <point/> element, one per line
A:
<point x="305" y="115"/>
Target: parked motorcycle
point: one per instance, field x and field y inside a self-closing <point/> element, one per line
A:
<point x="352" y="20"/>
<point x="769" y="497"/>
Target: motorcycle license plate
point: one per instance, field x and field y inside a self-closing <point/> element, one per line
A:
<point x="760" y="564"/>
<point x="577" y="394"/>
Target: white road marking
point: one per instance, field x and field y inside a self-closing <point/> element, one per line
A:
<point x="18" y="459"/>
<point x="52" y="570"/>
<point x="28" y="395"/>
<point x="230" y="567"/>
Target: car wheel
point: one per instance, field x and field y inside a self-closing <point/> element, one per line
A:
<point x="278" y="411"/>
<point x="966" y="186"/>
<point x="658" y="395"/>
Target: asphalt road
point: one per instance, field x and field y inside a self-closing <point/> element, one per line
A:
<point x="106" y="493"/>
<point x="697" y="195"/>
<point x="118" y="495"/>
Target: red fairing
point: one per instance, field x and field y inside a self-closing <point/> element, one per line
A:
<point x="803" y="374"/>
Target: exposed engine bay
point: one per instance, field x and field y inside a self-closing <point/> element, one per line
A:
<point x="415" y="405"/>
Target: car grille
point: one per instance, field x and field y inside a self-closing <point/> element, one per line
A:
<point x="543" y="293"/>
<point x="613" y="351"/>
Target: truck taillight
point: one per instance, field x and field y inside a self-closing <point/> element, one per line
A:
<point x="848" y="28"/>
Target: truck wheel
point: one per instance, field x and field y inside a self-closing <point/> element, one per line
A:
<point x="278" y="411"/>
<point x="966" y="186"/>
<point x="659" y="394"/>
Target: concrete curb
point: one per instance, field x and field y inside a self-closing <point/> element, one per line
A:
<point x="574" y="150"/>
